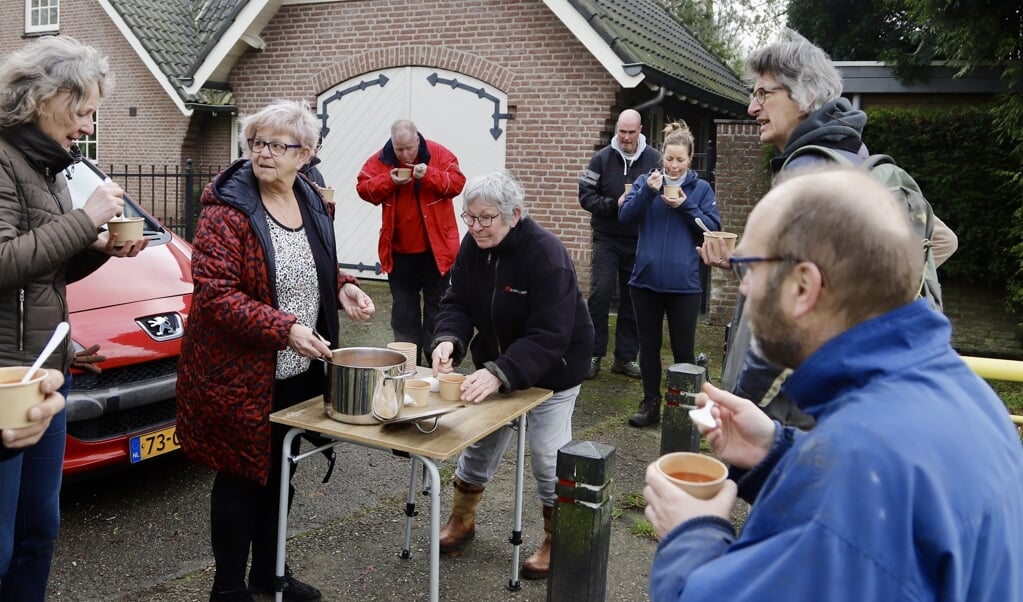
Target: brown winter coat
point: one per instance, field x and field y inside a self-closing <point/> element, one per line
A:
<point x="43" y="246"/>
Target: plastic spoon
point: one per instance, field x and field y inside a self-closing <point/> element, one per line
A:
<point x="55" y="339"/>
<point x="703" y="416"/>
<point x="703" y="226"/>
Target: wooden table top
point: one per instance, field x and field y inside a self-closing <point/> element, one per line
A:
<point x="456" y="430"/>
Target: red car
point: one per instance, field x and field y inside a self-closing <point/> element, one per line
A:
<point x="135" y="309"/>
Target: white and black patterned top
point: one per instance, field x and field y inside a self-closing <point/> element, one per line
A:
<point x="298" y="290"/>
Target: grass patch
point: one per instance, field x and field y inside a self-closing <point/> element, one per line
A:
<point x="644" y="529"/>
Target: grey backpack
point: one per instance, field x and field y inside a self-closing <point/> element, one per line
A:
<point x="884" y="169"/>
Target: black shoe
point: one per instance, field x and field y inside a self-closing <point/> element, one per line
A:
<point x="294" y="590"/>
<point x="649" y="413"/>
<point x="238" y="595"/>
<point x="630" y="369"/>
<point x="594" y="367"/>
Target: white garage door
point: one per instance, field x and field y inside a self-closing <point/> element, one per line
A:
<point x="460" y="112"/>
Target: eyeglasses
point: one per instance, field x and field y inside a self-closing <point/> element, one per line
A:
<point x="760" y="94"/>
<point x="484" y="221"/>
<point x="742" y="265"/>
<point x="277" y="149"/>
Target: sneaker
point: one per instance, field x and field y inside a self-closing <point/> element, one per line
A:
<point x="630" y="369"/>
<point x="594" y="367"/>
<point x="294" y="590"/>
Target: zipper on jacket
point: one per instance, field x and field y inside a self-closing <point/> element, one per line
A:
<point x="21" y="319"/>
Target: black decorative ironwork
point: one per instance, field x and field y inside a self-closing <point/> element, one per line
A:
<point x="381" y="80"/>
<point x="481" y="92"/>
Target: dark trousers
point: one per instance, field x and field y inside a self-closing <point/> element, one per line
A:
<point x="30" y="512"/>
<point x="416" y="277"/>
<point x="682" y="311"/>
<point x="243" y="513"/>
<point x="612" y="259"/>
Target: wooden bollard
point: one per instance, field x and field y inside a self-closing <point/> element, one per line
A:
<point x="582" y="523"/>
<point x="678" y="433"/>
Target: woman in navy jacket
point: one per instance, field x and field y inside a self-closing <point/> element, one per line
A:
<point x="666" y="277"/>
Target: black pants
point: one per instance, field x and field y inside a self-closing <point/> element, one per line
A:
<point x="243" y="513"/>
<point x="612" y="259"/>
<point x="682" y="311"/>
<point x="412" y="276"/>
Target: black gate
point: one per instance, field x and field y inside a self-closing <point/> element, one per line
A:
<point x="170" y="193"/>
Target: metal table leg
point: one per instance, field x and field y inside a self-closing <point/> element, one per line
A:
<point x="410" y="510"/>
<point x="516" y="538"/>
<point x="282" y="512"/>
<point x="434" y="525"/>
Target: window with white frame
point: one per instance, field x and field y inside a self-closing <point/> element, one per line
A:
<point x="89" y="144"/>
<point x="42" y="15"/>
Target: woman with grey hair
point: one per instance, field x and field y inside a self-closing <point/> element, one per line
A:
<point x="267" y="282"/>
<point x="514" y="303"/>
<point x="49" y="90"/>
<point x="796" y="101"/>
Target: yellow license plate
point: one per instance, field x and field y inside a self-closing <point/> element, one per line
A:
<point x="153" y="444"/>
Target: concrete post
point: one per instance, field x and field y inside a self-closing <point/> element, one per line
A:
<point x="678" y="433"/>
<point x="582" y="523"/>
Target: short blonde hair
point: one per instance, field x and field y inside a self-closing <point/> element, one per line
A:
<point x="294" y="117"/>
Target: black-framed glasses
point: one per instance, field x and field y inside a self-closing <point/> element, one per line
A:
<point x="741" y="265"/>
<point x="484" y="221"/>
<point x="761" y="94"/>
<point x="277" y="149"/>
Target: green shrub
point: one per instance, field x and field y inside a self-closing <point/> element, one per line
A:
<point x="966" y="173"/>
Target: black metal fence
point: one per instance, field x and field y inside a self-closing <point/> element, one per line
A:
<point x="170" y="193"/>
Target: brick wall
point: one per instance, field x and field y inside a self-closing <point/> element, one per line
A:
<point x="559" y="95"/>
<point x="741" y="180"/>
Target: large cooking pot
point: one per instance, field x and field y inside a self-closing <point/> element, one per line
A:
<point x="364" y="385"/>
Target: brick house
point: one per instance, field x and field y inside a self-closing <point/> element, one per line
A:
<point x="532" y="86"/>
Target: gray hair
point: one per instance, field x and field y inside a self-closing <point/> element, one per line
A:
<point x="295" y="117"/>
<point x="805" y="70"/>
<point x="44" y="68"/>
<point x="499" y="189"/>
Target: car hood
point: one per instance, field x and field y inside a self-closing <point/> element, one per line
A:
<point x="157" y="272"/>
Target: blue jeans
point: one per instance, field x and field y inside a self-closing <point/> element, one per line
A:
<point x="411" y="276"/>
<point x="548" y="428"/>
<point x="612" y="259"/>
<point x="30" y="513"/>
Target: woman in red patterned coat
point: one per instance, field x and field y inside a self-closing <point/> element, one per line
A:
<point x="266" y="283"/>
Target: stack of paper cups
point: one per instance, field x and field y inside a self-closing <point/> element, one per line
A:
<point x="409" y="350"/>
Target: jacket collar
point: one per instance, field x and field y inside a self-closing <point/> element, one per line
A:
<point x="883" y="345"/>
<point x="44" y="153"/>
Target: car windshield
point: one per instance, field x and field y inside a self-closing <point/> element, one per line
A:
<point x="84" y="179"/>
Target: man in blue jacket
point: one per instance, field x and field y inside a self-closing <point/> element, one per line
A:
<point x="910" y="487"/>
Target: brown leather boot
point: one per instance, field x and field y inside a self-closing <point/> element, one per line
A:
<point x="539" y="564"/>
<point x="461" y="526"/>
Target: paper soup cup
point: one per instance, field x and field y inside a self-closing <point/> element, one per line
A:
<point x="419" y="391"/>
<point x="449" y="386"/>
<point x="126" y="228"/>
<point x="16" y="398"/>
<point x="699" y="475"/>
<point x="728" y="237"/>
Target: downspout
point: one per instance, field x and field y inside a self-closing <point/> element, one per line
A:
<point x="656" y="100"/>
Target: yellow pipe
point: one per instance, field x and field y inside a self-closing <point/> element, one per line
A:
<point x="994" y="369"/>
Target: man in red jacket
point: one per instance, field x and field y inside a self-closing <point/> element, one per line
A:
<point x="414" y="179"/>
